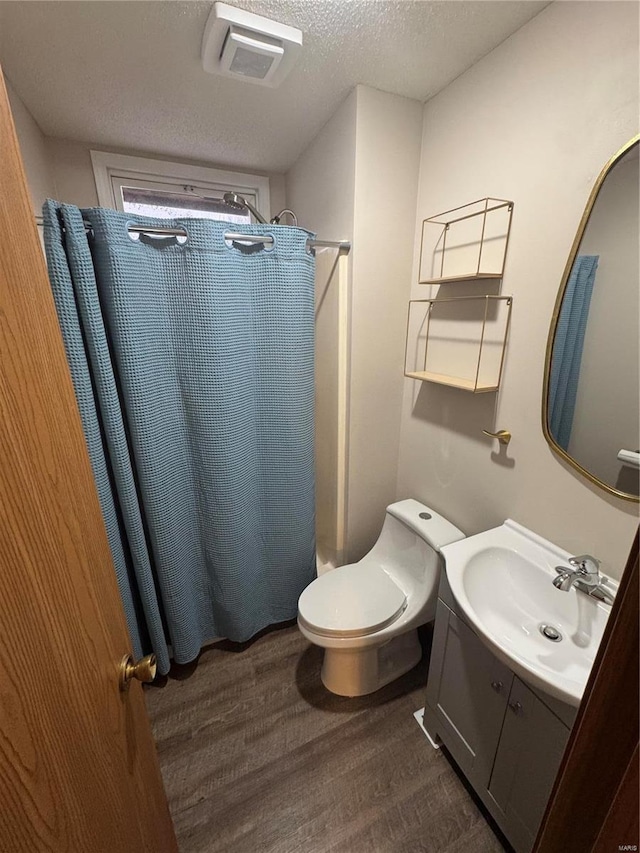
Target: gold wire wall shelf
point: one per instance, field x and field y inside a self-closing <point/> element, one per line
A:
<point x="467" y="243"/>
<point x="458" y="341"/>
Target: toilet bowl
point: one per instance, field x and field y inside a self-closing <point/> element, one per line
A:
<point x="365" y="615"/>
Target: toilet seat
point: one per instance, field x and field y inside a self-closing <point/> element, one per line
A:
<point x="351" y="601"/>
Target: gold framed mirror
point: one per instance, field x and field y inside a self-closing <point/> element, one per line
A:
<point x="591" y="395"/>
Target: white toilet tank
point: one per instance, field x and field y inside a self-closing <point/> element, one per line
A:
<point x="410" y="541"/>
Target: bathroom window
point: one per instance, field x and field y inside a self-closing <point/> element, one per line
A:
<point x="169" y="202"/>
<point x="167" y="190"/>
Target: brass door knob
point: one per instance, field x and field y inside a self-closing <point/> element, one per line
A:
<point x="145" y="670"/>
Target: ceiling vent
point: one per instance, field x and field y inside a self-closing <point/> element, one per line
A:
<point x="248" y="47"/>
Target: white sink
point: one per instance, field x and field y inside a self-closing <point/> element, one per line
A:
<point x="503" y="581"/>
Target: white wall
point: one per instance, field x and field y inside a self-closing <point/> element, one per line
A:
<point x="388" y="135"/>
<point x="533" y="121"/>
<point x="75" y="184"/>
<point x="358" y="180"/>
<point x="34" y="152"/>
<point x="320" y="188"/>
<point x="607" y="412"/>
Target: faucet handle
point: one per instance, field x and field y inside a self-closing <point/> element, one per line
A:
<point x="585" y="563"/>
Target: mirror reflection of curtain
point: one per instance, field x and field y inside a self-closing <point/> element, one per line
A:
<point x="568" y="345"/>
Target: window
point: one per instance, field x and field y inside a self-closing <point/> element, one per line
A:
<point x="168" y="190"/>
<point x="169" y="202"/>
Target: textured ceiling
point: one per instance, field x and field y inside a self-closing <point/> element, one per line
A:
<point x="128" y="73"/>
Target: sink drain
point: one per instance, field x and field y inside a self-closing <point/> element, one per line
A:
<point x="550" y="633"/>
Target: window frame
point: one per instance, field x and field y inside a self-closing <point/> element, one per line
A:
<point x="109" y="168"/>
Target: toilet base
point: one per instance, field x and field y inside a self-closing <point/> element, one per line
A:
<point x="358" y="672"/>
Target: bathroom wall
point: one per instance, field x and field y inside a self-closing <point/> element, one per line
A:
<point x="533" y="121"/>
<point x="358" y="180"/>
<point x="388" y="133"/>
<point x="607" y="412"/>
<point x="75" y="184"/>
<point x="320" y="188"/>
<point x="34" y="152"/>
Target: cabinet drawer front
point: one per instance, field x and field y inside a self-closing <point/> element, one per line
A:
<point x="467" y="690"/>
<point x="529" y="753"/>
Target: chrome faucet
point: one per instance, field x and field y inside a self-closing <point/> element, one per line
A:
<point x="585" y="575"/>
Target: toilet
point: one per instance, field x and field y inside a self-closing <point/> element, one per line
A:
<point x="365" y="615"/>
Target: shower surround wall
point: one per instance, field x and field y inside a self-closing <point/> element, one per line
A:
<point x="534" y="121"/>
<point x="358" y="180"/>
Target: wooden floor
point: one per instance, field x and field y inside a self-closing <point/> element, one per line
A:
<point x="258" y="757"/>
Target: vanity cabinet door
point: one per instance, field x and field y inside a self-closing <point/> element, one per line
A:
<point x="529" y="753"/>
<point x="467" y="694"/>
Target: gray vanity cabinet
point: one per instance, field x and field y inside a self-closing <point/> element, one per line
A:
<point x="531" y="744"/>
<point x="506" y="738"/>
<point x="468" y="690"/>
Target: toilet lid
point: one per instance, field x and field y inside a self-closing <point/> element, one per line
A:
<point x="351" y="601"/>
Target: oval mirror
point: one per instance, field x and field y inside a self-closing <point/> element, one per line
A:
<point x="591" y="400"/>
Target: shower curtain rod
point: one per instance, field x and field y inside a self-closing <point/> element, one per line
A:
<point x="341" y="245"/>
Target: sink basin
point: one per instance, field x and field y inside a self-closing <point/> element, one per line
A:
<point x="502" y="580"/>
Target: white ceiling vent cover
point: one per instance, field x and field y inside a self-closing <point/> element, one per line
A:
<point x="248" y="47"/>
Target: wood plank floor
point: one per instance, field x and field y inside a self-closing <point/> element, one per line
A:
<point x="257" y="757"/>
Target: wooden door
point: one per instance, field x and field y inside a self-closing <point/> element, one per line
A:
<point x="78" y="767"/>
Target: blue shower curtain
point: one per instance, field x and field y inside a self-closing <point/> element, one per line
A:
<point x="567" y="347"/>
<point x="193" y="370"/>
